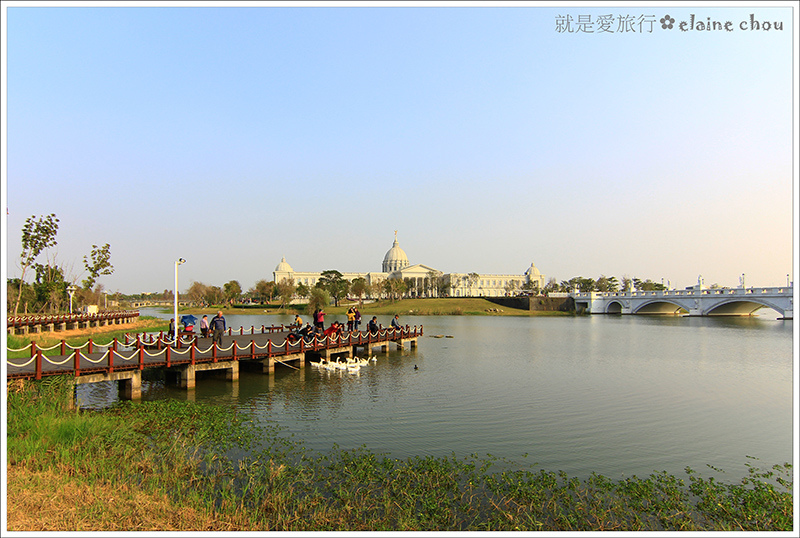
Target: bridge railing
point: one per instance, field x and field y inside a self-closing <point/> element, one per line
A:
<point x="775" y="290"/>
<point x="131" y="354"/>
<point x="47" y="319"/>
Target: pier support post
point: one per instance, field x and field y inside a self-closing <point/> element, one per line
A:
<point x="268" y="366"/>
<point x="188" y="375"/>
<point x="131" y="389"/>
<point x="232" y="373"/>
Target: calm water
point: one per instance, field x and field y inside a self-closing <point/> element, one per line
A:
<point x="617" y="395"/>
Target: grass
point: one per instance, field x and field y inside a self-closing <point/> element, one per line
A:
<point x="178" y="465"/>
<point x="445" y="306"/>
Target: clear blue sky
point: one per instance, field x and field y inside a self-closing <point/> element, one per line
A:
<point x="234" y="136"/>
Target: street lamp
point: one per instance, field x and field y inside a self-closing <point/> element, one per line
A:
<point x="71" y="290"/>
<point x="743" y="284"/>
<point x="177" y="263"/>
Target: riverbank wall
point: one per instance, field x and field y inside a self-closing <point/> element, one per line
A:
<point x="536" y="304"/>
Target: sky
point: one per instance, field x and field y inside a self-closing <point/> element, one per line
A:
<point x="488" y="137"/>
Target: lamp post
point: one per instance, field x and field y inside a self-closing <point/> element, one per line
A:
<point x="71" y="290"/>
<point x="177" y="263"/>
<point x="743" y="284"/>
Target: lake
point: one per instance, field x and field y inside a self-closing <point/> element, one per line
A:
<point x="616" y="395"/>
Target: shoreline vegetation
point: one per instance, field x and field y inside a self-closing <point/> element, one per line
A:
<point x="185" y="466"/>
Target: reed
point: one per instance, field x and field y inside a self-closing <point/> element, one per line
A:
<point x="177" y="465"/>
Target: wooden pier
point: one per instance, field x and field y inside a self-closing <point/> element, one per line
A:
<point x="124" y="361"/>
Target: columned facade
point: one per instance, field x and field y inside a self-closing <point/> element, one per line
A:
<point x="424" y="280"/>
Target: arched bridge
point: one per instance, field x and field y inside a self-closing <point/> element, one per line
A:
<point x="691" y="302"/>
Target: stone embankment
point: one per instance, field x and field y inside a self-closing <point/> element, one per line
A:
<point x="539" y="303"/>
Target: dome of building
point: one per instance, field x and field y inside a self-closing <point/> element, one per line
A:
<point x="532" y="271"/>
<point x="395" y="259"/>
<point x="284" y="267"/>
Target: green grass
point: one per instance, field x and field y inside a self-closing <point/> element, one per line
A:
<point x="183" y="450"/>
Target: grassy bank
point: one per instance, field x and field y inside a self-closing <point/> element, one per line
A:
<point x="446" y="306"/>
<point x="162" y="466"/>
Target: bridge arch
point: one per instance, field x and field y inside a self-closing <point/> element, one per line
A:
<point x="614" y="307"/>
<point x="662" y="307"/>
<point x="741" y="307"/>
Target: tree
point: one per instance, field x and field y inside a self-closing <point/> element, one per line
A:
<point x="551" y="286"/>
<point x="232" y="290"/>
<point x="265" y="289"/>
<point x="37" y="235"/>
<point x="394" y="288"/>
<point x="442" y="286"/>
<point x="626" y="283"/>
<point x="302" y="290"/>
<point x="286" y="290"/>
<point x="359" y="287"/>
<point x="319" y="298"/>
<point x="215" y="295"/>
<point x="473" y="279"/>
<point x="101" y="265"/>
<point x="511" y="287"/>
<point x="50" y="287"/>
<point x="334" y="283"/>
<point x="197" y="292"/>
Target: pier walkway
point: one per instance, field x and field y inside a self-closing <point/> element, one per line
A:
<point x="124" y="361"/>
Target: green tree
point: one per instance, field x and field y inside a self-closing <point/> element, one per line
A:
<point x="318" y="298"/>
<point x="100" y="265"/>
<point x="359" y="287"/>
<point x="37" y="235"/>
<point x="265" y="289"/>
<point x="232" y="290"/>
<point x="302" y="290"/>
<point x="334" y="283"/>
<point x="50" y="287"/>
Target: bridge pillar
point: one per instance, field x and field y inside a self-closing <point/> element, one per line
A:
<point x="131" y="389"/>
<point x="188" y="376"/>
<point x="232" y="373"/>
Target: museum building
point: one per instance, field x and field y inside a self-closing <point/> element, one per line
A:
<point x="396" y="266"/>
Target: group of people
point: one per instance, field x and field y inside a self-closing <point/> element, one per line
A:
<point x="215" y="328"/>
<point x="337" y="328"/>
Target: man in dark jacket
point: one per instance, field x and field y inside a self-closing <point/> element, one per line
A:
<point x="372" y="326"/>
<point x="217" y="325"/>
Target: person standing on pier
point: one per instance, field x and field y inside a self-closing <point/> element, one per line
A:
<point x="218" y="327"/>
<point x="319" y="319"/>
<point x="351" y="319"/>
<point x="204" y="326"/>
<point x="357" y="321"/>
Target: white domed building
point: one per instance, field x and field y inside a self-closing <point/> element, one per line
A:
<point x="395" y="259"/>
<point x="397" y="266"/>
